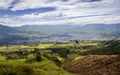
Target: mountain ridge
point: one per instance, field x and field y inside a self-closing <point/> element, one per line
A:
<point x="58" y="33"/>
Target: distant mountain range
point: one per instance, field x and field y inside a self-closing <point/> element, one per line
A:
<point x="27" y="34"/>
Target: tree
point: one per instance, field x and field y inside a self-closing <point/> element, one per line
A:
<point x="38" y="56"/>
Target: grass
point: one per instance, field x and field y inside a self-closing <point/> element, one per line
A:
<point x="13" y="62"/>
<point x="79" y="57"/>
<point x="14" y="47"/>
<point x="44" y="67"/>
<point x="2" y="58"/>
<point x="44" y="45"/>
<point x="3" y="48"/>
<point x="64" y="45"/>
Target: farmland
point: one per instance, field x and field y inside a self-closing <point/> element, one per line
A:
<point x="60" y="58"/>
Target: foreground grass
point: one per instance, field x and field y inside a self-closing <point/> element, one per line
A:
<point x="21" y="67"/>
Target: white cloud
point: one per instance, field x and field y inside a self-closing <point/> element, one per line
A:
<point x="55" y="14"/>
<point x="70" y="4"/>
<point x="31" y="4"/>
<point x="9" y="22"/>
<point x="5" y="4"/>
<point x="110" y="19"/>
<point x="74" y="12"/>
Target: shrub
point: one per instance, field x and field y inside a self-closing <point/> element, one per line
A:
<point x="13" y="56"/>
<point x="34" y="58"/>
<point x="25" y="70"/>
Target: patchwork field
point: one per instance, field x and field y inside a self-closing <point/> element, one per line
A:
<point x="73" y="58"/>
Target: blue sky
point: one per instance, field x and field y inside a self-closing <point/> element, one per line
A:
<point x="59" y="12"/>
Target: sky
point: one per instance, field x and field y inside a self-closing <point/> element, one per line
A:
<point x="59" y="12"/>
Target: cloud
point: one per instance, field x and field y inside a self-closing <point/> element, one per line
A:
<point x="31" y="4"/>
<point x="5" y="4"/>
<point x="54" y="14"/>
<point x="9" y="22"/>
<point x="74" y="12"/>
<point x="109" y="19"/>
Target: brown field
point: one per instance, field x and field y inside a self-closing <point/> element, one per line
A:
<point x="95" y="65"/>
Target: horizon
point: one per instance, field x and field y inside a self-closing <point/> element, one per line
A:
<point x="63" y="25"/>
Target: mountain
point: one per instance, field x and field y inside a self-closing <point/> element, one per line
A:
<point x="91" y="28"/>
<point x="9" y="35"/>
<point x="72" y="32"/>
<point x="6" y="30"/>
<point x="57" y="33"/>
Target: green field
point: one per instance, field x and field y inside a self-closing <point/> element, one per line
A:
<point x="49" y="58"/>
<point x="21" y="67"/>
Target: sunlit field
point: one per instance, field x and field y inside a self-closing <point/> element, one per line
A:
<point x="52" y="58"/>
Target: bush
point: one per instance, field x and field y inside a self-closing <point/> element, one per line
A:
<point x="38" y="58"/>
<point x="25" y="70"/>
<point x="16" y="70"/>
<point x="13" y="56"/>
<point x="34" y="58"/>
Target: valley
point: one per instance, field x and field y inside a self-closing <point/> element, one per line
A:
<point x="72" y="58"/>
<point x="59" y="37"/>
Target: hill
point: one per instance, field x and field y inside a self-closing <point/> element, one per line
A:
<point x="95" y="65"/>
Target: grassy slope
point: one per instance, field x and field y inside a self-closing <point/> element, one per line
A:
<point x="45" y="67"/>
